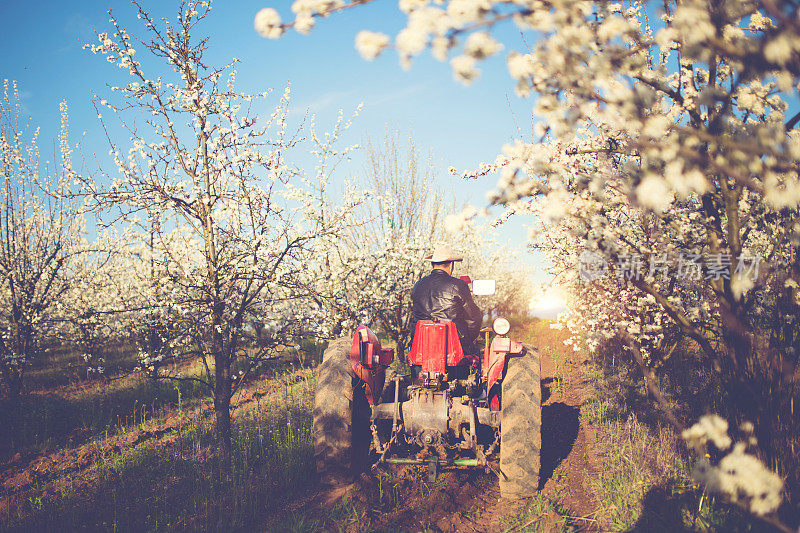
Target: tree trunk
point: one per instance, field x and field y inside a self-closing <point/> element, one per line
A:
<point x="14" y="388"/>
<point x="12" y="381"/>
<point x="222" y="359"/>
<point x="222" y="390"/>
<point x="399" y="341"/>
<point x="222" y="412"/>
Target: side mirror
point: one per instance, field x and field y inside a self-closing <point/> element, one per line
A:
<point x="483" y="287"/>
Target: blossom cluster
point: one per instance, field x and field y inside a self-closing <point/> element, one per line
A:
<point x="738" y="475"/>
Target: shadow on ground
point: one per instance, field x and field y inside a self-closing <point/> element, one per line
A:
<point x="43" y="422"/>
<point x="665" y="509"/>
<point x="660" y="512"/>
<point x="546" y="384"/>
<point x="559" y="430"/>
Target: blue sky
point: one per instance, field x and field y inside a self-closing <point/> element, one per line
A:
<point x="463" y="126"/>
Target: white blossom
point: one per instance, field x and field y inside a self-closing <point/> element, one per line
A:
<point x="654" y="193"/>
<point x="481" y="45"/>
<point x="407" y="6"/>
<point x="304" y="23"/>
<point x="708" y="427"/>
<point x="370" y="44"/>
<point x="268" y="23"/>
<point x="464" y="69"/>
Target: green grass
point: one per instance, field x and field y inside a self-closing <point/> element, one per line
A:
<point x="65" y="365"/>
<point x="537" y="515"/>
<point x="645" y="480"/>
<point x="153" y="487"/>
<point x="46" y="420"/>
<point x="389" y="494"/>
<point x="557" y="358"/>
<point x="345" y="513"/>
<point x="98" y="408"/>
<point x="299" y="523"/>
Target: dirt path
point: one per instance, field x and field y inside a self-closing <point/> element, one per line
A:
<point x="568" y="443"/>
<point x="469" y="501"/>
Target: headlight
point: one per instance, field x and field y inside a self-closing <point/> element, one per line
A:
<point x="501" y="326"/>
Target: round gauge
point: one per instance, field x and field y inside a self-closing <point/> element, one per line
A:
<point x="501" y="326"/>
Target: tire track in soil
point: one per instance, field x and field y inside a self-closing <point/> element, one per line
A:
<point x="469" y="501"/>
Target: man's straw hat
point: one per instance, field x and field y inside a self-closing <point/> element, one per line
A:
<point x="442" y="254"/>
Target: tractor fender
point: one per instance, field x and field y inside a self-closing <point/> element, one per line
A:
<point x="368" y="362"/>
<point x="495" y="364"/>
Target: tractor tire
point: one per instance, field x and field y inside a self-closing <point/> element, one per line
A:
<point x="341" y="417"/>
<point x="521" y="427"/>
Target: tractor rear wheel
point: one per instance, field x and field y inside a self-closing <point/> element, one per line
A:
<point x="521" y="427"/>
<point x="341" y="417"/>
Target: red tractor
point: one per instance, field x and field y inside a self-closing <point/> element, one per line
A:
<point x="454" y="410"/>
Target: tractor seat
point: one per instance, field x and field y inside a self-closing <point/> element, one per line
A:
<point x="436" y="346"/>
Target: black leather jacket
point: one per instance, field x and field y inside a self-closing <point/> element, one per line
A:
<point x="440" y="296"/>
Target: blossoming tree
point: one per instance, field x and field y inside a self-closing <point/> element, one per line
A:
<point x="237" y="220"/>
<point x="41" y="241"/>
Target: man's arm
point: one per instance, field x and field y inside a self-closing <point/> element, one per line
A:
<point x="473" y="316"/>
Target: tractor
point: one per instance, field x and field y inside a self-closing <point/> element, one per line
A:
<point x="454" y="410"/>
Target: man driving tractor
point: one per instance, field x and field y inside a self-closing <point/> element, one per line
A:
<point x="460" y="407"/>
<point x="440" y="296"/>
